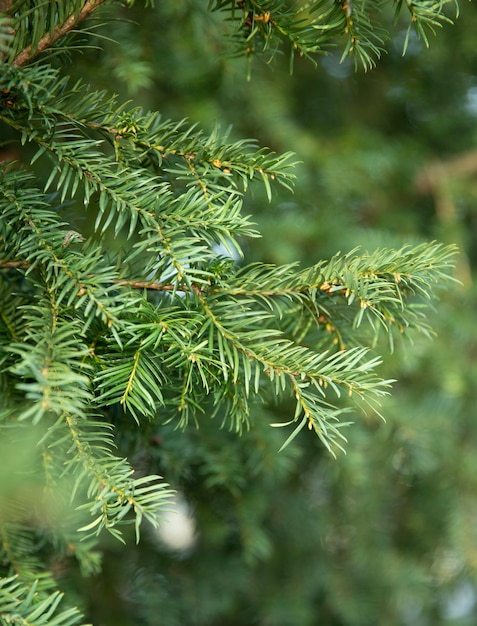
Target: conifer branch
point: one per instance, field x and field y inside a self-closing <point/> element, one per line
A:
<point x="22" y="604"/>
<point x="164" y="327"/>
<point x="49" y="39"/>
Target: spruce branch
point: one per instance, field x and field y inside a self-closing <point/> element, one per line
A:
<point x="49" y="39"/>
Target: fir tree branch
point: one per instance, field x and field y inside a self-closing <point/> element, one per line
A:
<point x="49" y="39"/>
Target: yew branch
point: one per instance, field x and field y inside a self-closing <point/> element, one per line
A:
<point x="48" y="39"/>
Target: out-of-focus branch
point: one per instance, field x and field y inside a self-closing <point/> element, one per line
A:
<point x="436" y="179"/>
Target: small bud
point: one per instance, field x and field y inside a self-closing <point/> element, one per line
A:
<point x="71" y="235"/>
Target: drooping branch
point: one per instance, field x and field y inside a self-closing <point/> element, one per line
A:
<point x="48" y="39"/>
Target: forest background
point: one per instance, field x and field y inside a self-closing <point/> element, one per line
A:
<point x="386" y="534"/>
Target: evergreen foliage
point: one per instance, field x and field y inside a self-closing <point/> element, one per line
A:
<point x="154" y="317"/>
<point x="310" y="27"/>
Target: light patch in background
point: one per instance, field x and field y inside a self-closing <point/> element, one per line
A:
<point x="471" y="103"/>
<point x="336" y="66"/>
<point x="230" y="251"/>
<point x="177" y="530"/>
<point x="461" y="603"/>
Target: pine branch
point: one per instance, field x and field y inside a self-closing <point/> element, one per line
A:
<point x="49" y="39"/>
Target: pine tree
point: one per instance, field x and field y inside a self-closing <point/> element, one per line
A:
<point x="155" y="317"/>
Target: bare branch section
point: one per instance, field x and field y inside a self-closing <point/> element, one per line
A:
<point x="14" y="265"/>
<point x="28" y="54"/>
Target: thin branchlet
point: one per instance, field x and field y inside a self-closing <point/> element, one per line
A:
<point x="49" y="39"/>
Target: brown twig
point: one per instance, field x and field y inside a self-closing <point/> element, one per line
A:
<point x="14" y="265"/>
<point x="5" y="5"/>
<point x="143" y="284"/>
<point x="134" y="284"/>
<point x="60" y="31"/>
<point x="158" y="286"/>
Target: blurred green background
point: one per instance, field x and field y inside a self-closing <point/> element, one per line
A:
<point x="385" y="535"/>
